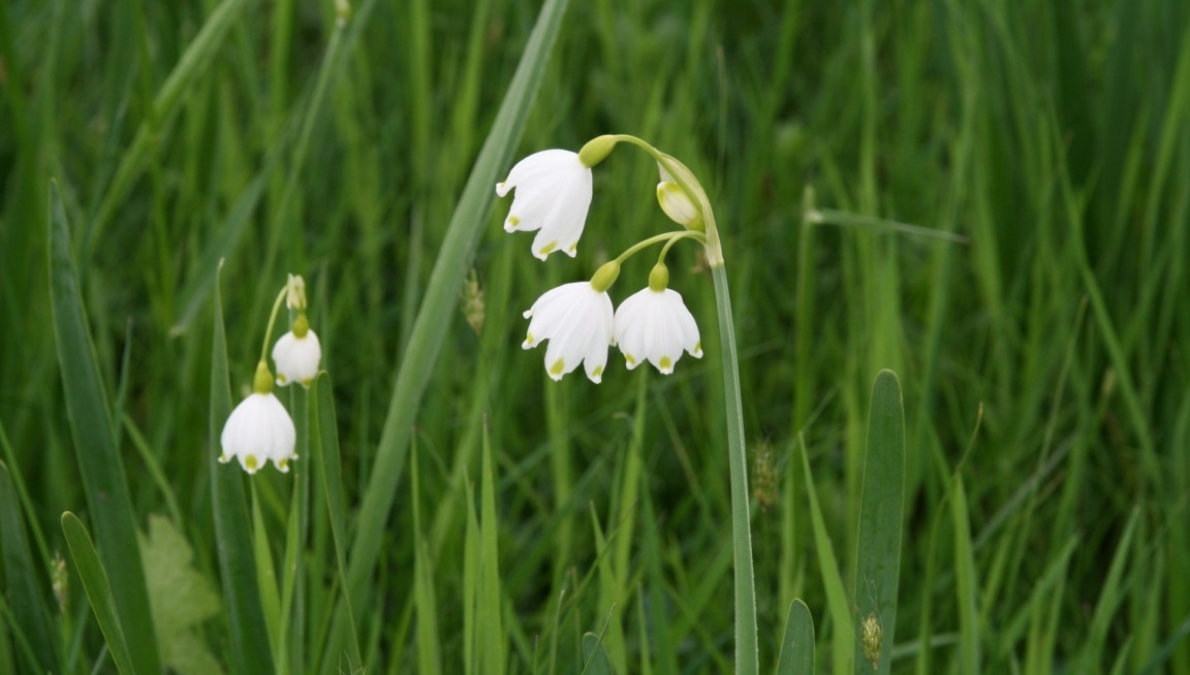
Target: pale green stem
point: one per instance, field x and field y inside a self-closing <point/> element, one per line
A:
<point x="268" y="332"/>
<point x="746" y="656"/>
<point x="668" y="237"/>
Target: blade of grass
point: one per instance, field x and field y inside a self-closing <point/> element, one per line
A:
<point x="438" y="305"/>
<point x="491" y="646"/>
<point x="30" y="606"/>
<point x="429" y="656"/>
<point x="967" y="591"/>
<point x="797" y="646"/>
<point x="325" y="446"/>
<point x="266" y="581"/>
<point x="878" y="553"/>
<point x="100" y="466"/>
<point x="194" y="61"/>
<point x="99" y="591"/>
<point x="836" y="596"/>
<point x="594" y="657"/>
<point x="237" y="565"/>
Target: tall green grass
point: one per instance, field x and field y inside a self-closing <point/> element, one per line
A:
<point x="988" y="198"/>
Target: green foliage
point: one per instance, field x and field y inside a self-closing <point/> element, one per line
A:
<point x="986" y="197"/>
<point x="182" y="598"/>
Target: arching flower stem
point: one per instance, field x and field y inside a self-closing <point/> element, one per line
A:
<point x="668" y="237"/>
<point x="268" y="333"/>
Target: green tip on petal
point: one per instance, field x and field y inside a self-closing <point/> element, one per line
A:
<point x="283" y="464"/>
<point x="529" y="339"/>
<point x="548" y="248"/>
<point x="665" y="363"/>
<point x="251" y="464"/>
<point x="630" y="359"/>
<point x="596" y="150"/>
<point x="598" y="372"/>
<point x="557" y="368"/>
<point x="605" y="276"/>
<point x="224" y="459"/>
<point x="263" y="382"/>
<point x="698" y="349"/>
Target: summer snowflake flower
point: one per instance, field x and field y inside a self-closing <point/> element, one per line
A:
<point x="655" y="325"/>
<point x="297" y="354"/>
<point x="577" y="320"/>
<point x="674" y="200"/>
<point x="553" y="194"/>
<point x="259" y="429"/>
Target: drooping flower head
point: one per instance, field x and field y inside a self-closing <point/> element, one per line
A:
<point x="259" y="428"/>
<point x="654" y="325"/>
<point x="553" y="194"/>
<point x="577" y="321"/>
<point x="297" y="354"/>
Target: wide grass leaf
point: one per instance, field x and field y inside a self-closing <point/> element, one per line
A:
<point x="30" y="605"/>
<point x="878" y="555"/>
<point x="100" y="467"/>
<point x="797" y="647"/>
<point x="99" y="591"/>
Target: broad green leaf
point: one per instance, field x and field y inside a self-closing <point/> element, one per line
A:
<point x="100" y="467"/>
<point x="99" y="591"/>
<point x="30" y="605"/>
<point x="182" y="598"/>
<point x="237" y="564"/>
<point x="492" y="640"/>
<point x="797" y="646"/>
<point x="878" y="554"/>
<point x="438" y="305"/>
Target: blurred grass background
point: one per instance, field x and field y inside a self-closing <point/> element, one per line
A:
<point x="1039" y="326"/>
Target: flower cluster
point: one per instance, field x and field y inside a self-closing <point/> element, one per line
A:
<point x="553" y="195"/>
<point x="260" y="428"/>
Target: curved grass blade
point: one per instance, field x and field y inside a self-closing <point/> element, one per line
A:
<point x="878" y="555"/>
<point x="237" y="564"/>
<point x="437" y="307"/>
<point x="99" y="591"/>
<point x="100" y="466"/>
<point x="797" y="647"/>
<point x="29" y="604"/>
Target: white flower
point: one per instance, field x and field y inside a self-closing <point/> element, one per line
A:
<point x="258" y="430"/>
<point x="655" y="325"/>
<point x="553" y="193"/>
<point x="297" y="358"/>
<point x="577" y="321"/>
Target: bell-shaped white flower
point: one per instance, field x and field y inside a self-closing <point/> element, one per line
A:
<point x="259" y="429"/>
<point x="553" y="194"/>
<point x="654" y="325"/>
<point x="297" y="354"/>
<point x="577" y="320"/>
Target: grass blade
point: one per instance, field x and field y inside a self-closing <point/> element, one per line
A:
<point x="594" y="657"/>
<point x="100" y="467"/>
<point x="836" y="596"/>
<point x="324" y="442"/>
<point x="99" y="591"/>
<point x="237" y="564"/>
<point x="878" y="555"/>
<point x="438" y="306"/>
<point x="797" y="647"/>
<point x="491" y="641"/>
<point x="31" y="608"/>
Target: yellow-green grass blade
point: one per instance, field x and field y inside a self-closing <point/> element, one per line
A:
<point x="878" y="554"/>
<point x="237" y="564"/>
<point x="438" y="305"/>
<point x="99" y="591"/>
<point x="429" y="653"/>
<point x="100" y="467"/>
<point x="970" y="656"/>
<point x="797" y="646"/>
<point x="836" y="596"/>
<point x="31" y="607"/>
